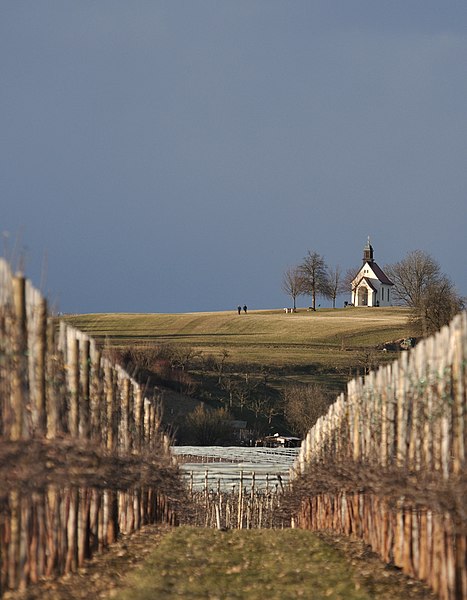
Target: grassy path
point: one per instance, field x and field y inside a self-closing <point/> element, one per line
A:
<point x="160" y="563"/>
<point x="257" y="564"/>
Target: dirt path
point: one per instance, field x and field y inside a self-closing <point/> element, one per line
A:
<point x="159" y="563"/>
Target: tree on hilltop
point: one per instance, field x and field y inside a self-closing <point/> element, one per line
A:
<point x="420" y="284"/>
<point x="314" y="272"/>
<point x="336" y="284"/>
<point x="292" y="284"/>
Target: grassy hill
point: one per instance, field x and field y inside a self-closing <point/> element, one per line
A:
<point x="328" y="338"/>
<point x="328" y="346"/>
<point x="246" y="363"/>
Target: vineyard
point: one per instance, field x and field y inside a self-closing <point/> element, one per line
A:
<point x="83" y="457"/>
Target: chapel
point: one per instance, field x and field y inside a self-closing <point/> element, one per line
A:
<point x="371" y="286"/>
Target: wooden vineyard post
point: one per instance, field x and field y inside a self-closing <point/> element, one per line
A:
<point x="40" y="370"/>
<point x="253" y="486"/>
<point x="139" y="417"/>
<point x="125" y="408"/>
<point x="95" y="522"/>
<point x="390" y="412"/>
<point x="206" y="497"/>
<point x="429" y="346"/>
<point x="240" y="503"/>
<point x="355" y="404"/>
<point x="459" y="371"/>
<point x="18" y="376"/>
<point x="83" y="525"/>
<point x="460" y="566"/>
<point x="25" y="526"/>
<point x="381" y="384"/>
<point x="440" y="449"/>
<point x="71" y="531"/>
<point x="401" y="445"/>
<point x="96" y="395"/>
<point x="84" y="396"/>
<point x="13" y="547"/>
<point x="416" y="421"/>
<point x="73" y="382"/>
<point x="110" y="401"/>
<point x="367" y="394"/>
<point x="52" y="527"/>
<point x="52" y="424"/>
<point x="146" y="422"/>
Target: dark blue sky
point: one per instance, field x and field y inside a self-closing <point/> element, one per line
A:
<point x="172" y="155"/>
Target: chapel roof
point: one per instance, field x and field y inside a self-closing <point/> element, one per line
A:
<point x="380" y="274"/>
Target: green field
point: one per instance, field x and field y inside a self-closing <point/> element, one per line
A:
<point x="329" y="338"/>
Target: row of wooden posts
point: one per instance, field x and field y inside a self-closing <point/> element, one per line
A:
<point x="56" y="384"/>
<point x="409" y="417"/>
<point x="410" y="413"/>
<point x="243" y="506"/>
<point x="53" y="531"/>
<point x="422" y="542"/>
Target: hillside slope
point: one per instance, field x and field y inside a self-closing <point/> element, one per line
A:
<point x="270" y="338"/>
<point x="248" y="363"/>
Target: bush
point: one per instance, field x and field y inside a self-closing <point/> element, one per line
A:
<point x="304" y="404"/>
<point x="205" y="427"/>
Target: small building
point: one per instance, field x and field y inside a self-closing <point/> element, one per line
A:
<point x="279" y="441"/>
<point x="371" y="286"/>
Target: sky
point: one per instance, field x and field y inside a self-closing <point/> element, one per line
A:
<point x="180" y="155"/>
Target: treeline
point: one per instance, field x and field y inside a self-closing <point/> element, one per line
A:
<point x="315" y="278"/>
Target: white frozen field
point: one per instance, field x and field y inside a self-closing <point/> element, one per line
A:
<point x="265" y="463"/>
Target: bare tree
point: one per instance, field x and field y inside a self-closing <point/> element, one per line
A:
<point x="217" y="364"/>
<point x="412" y="276"/>
<point x="292" y="284"/>
<point x="259" y="404"/>
<point x="304" y="404"/>
<point x="420" y="285"/>
<point x="315" y="277"/>
<point x="348" y="278"/>
<point x="336" y="284"/>
<point x="440" y="302"/>
<point x="182" y="356"/>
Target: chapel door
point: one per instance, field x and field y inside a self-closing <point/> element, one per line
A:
<point x="363" y="296"/>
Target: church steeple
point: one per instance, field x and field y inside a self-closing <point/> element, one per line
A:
<point x="368" y="252"/>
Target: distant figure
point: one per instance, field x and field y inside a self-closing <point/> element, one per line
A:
<point x="239" y="308"/>
<point x="245" y="309"/>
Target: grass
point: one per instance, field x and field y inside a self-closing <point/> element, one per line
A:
<point x="327" y="347"/>
<point x="273" y="564"/>
<point x="160" y="563"/>
<point x="269" y="338"/>
<point x="255" y="564"/>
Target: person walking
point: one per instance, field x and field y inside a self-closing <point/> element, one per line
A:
<point x="245" y="309"/>
<point x="239" y="308"/>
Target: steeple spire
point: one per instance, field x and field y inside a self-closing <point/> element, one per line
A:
<point x="368" y="252"/>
